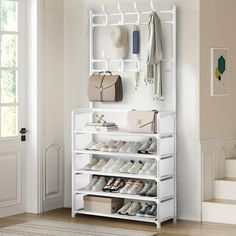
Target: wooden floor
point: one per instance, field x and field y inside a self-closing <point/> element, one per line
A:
<point x="181" y="228"/>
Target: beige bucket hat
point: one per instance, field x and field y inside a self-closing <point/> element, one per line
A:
<point x="119" y="37"/>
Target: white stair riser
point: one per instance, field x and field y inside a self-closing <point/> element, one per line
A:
<point x="225" y="189"/>
<point x="219" y="213"/>
<point x="230" y="168"/>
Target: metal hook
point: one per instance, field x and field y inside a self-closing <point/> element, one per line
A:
<point x="103" y="54"/>
<point x="103" y="9"/>
<point x="135" y="6"/>
<point x="151" y="5"/>
<point x="118" y="7"/>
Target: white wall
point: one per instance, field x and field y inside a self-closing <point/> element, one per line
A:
<point x="76" y="51"/>
<point x="217" y="30"/>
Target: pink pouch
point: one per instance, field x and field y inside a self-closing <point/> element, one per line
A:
<point x="142" y="121"/>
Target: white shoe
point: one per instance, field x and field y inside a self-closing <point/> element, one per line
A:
<point x="91" y="184"/>
<point x="134" y="208"/>
<point x="98" y="146"/>
<point x="147" y="166"/>
<point x="99" y="165"/>
<point x="90" y="146"/>
<point x="127" y="186"/>
<point x="135" y="168"/>
<point x="106" y="146"/>
<point x="144" y="146"/>
<point x="116" y="166"/>
<point x="125" y="147"/>
<point x="108" y="165"/>
<point x="152" y="149"/>
<point x="90" y="165"/>
<point x="100" y="184"/>
<point x="136" y="188"/>
<point x="152" y="170"/>
<point x="126" y="167"/>
<point x="116" y="146"/>
<point x="125" y="208"/>
<point x="134" y="148"/>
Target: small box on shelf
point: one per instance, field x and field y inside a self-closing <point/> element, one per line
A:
<point x="106" y="205"/>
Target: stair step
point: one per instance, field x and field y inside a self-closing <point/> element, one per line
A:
<point x="219" y="211"/>
<point x="230" y="167"/>
<point x="225" y="188"/>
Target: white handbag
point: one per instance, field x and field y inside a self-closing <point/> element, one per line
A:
<point x="142" y="121"/>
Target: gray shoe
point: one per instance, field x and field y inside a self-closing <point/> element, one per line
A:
<point x="151" y="213"/>
<point x="144" y="209"/>
<point x="92" y="183"/>
<point x="152" y="192"/>
<point x="146" y="188"/>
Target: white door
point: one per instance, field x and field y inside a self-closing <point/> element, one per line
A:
<point x="12" y="109"/>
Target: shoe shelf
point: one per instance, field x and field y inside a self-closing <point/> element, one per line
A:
<point x="118" y="216"/>
<point x="125" y="133"/>
<point x="124" y="175"/>
<point x="118" y="154"/>
<point x="118" y="195"/>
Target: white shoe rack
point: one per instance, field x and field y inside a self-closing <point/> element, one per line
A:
<point x="165" y="157"/>
<point x="165" y="136"/>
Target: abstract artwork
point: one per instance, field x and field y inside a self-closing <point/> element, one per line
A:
<point x="219" y="71"/>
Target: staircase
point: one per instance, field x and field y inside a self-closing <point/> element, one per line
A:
<point x="222" y="208"/>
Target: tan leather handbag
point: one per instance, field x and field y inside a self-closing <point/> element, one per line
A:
<point x="142" y="121"/>
<point x="105" y="88"/>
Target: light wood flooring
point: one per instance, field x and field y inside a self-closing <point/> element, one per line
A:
<point x="181" y="228"/>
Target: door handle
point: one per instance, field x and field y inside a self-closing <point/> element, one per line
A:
<point x="23" y="131"/>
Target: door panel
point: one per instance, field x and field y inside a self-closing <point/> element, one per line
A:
<point x="12" y="108"/>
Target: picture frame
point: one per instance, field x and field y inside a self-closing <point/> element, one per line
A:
<point x="219" y="71"/>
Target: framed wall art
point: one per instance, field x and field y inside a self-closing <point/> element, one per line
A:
<point x="219" y="71"/>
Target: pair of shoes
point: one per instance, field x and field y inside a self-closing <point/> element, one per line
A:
<point x="114" y="185"/>
<point x="113" y="165"/>
<point x="148" y="147"/>
<point x="148" y="210"/>
<point x="95" y="165"/>
<point x="149" y="168"/>
<point x="149" y="189"/>
<point x="96" y="184"/>
<point x="130" y="208"/>
<point x="132" y="187"/>
<point x="132" y="167"/>
<point x="108" y="146"/>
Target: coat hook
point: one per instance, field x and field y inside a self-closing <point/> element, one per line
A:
<point x="121" y="14"/>
<point x="135" y="6"/>
<point x="103" y="9"/>
<point x="151" y="5"/>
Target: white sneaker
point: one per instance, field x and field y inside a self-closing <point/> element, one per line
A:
<point x="136" y="188"/>
<point x="135" y="168"/>
<point x="98" y="146"/>
<point x="106" y="146"/>
<point x="152" y="149"/>
<point x="134" y="148"/>
<point x="91" y="184"/>
<point x="108" y="165"/>
<point x="116" y="166"/>
<point x="146" y="167"/>
<point x="90" y="165"/>
<point x="152" y="170"/>
<point x="125" y="208"/>
<point x="125" y="147"/>
<point x="90" y="146"/>
<point x="99" y="165"/>
<point x="126" y="167"/>
<point x="116" y="146"/>
<point x="134" y="208"/>
<point x="144" y="146"/>
<point x="127" y="186"/>
<point x="100" y="184"/>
